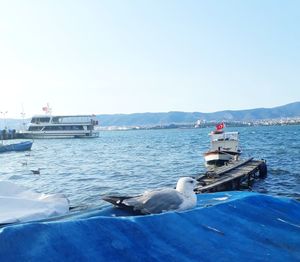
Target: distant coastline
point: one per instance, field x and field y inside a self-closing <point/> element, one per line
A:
<point x="212" y="124"/>
<point x="282" y="115"/>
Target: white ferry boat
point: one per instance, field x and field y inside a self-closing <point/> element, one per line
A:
<point x="48" y="126"/>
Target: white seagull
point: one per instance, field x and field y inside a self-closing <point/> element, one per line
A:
<point x="161" y="200"/>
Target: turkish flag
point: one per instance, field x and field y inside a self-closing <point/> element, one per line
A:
<point x="220" y="126"/>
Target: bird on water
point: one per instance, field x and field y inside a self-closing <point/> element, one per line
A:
<point x="36" y="172"/>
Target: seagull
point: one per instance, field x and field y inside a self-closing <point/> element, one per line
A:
<point x="36" y="172"/>
<point x="160" y="200"/>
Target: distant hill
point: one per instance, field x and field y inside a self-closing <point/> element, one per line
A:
<point x="157" y="119"/>
<point x="153" y="119"/>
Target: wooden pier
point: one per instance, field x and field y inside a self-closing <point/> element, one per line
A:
<point x="235" y="176"/>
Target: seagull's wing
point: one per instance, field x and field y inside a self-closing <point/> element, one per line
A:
<point x="154" y="202"/>
<point x="118" y="202"/>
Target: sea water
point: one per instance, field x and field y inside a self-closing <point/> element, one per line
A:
<point x="130" y="162"/>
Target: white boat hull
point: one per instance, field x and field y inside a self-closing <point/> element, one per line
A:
<point x="219" y="158"/>
<point x="55" y="134"/>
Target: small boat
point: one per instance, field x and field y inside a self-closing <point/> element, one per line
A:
<point x="22" y="146"/>
<point x="224" y="148"/>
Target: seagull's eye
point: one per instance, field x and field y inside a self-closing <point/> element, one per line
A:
<point x="192" y="182"/>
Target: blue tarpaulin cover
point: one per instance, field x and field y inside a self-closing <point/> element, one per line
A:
<point x="226" y="226"/>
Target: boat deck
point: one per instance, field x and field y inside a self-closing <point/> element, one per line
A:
<point x="233" y="176"/>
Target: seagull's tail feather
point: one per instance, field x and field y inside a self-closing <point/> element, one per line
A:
<point x="118" y="202"/>
<point x="115" y="200"/>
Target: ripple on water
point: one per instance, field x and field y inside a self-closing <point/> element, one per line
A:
<point x="278" y="171"/>
<point x="15" y="177"/>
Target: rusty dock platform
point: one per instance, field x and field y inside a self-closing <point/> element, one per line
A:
<point x="238" y="175"/>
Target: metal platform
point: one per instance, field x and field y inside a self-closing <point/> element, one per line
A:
<point x="234" y="176"/>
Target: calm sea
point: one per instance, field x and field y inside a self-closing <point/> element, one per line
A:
<point x="129" y="162"/>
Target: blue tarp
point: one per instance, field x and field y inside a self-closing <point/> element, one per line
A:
<point x="227" y="226"/>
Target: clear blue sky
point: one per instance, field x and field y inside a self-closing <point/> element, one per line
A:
<point x="148" y="56"/>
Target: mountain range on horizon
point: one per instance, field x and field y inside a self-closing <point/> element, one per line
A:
<point x="177" y="117"/>
<point x="291" y="110"/>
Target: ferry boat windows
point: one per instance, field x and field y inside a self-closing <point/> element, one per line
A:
<point x="38" y="120"/>
<point x="73" y="119"/>
<point x="61" y="128"/>
<point x="56" y="120"/>
<point x="76" y="127"/>
<point x="35" y="128"/>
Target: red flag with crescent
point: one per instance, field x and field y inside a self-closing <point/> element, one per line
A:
<point x="220" y="126"/>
